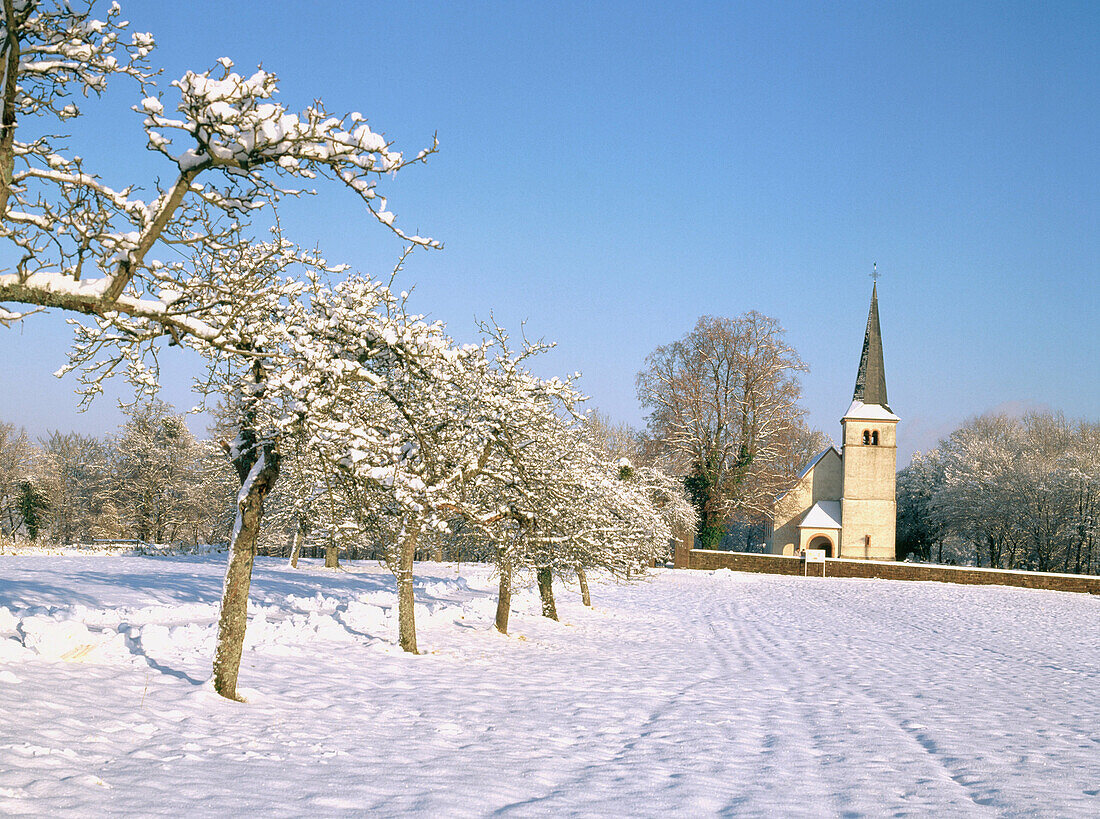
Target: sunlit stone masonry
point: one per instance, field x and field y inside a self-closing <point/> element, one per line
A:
<point x="844" y="502"/>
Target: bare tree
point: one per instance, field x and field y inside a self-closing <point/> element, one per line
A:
<point x="208" y="503"/>
<point x="614" y="439"/>
<point x="157" y="460"/>
<point x="723" y="401"/>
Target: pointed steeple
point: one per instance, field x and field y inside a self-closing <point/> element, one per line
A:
<point x="871" y="378"/>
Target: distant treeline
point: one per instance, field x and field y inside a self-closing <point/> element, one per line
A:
<point x="151" y="481"/>
<point x="1007" y="493"/>
<point x="155" y="482"/>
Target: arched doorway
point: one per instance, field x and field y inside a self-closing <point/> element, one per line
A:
<point x="822" y="542"/>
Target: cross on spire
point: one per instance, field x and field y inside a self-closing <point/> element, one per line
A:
<point x="874" y="272"/>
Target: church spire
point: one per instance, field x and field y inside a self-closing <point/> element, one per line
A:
<point x="871" y="378"/>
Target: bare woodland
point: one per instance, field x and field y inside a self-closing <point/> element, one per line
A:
<point x="152" y="482"/>
<point x="1007" y="493"/>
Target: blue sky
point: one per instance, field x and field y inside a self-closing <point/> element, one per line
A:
<point x="608" y="172"/>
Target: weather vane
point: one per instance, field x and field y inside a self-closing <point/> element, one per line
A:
<point x="874" y="271"/>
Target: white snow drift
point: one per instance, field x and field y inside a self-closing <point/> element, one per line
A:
<point x="694" y="693"/>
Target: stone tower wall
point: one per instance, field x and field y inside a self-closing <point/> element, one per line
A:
<point x="869" y="505"/>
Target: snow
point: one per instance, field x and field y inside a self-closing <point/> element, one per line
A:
<point x="692" y="693"/>
<point x="869" y="412"/>
<point x="823" y="515"/>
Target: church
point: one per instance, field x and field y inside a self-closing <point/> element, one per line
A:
<point x="844" y="501"/>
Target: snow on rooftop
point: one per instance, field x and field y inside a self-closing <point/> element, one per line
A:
<point x="822" y="515"/>
<point x="869" y="412"/>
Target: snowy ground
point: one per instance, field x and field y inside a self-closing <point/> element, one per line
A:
<point x="695" y="693"/>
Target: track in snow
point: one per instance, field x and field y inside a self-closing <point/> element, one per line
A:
<point x="696" y="692"/>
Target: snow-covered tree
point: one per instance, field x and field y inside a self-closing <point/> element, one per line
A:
<point x="530" y="424"/>
<point x="17" y="463"/>
<point x="157" y="458"/>
<point x="1007" y="492"/>
<point x="83" y="485"/>
<point x="669" y="498"/>
<point x="650" y="468"/>
<point x="920" y="531"/>
<point x="295" y="504"/>
<point x="383" y="401"/>
<point x="229" y="147"/>
<point x="422" y="433"/>
<point x="978" y="501"/>
<point x="145" y="269"/>
<point x="562" y="504"/>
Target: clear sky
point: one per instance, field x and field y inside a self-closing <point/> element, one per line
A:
<point x="609" y="172"/>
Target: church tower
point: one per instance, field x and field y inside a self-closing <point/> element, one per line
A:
<point x="870" y="456"/>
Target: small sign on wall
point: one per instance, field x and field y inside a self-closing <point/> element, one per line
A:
<point x="815" y="555"/>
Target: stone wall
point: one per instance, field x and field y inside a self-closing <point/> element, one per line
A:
<point x="778" y="564"/>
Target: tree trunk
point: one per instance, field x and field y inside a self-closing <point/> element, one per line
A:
<point x="256" y="482"/>
<point x="406" y="622"/>
<point x="332" y="556"/>
<point x="296" y="548"/>
<point x="437" y="554"/>
<point x="546" y="592"/>
<point x="586" y="598"/>
<point x="10" y="71"/>
<point x="504" y="596"/>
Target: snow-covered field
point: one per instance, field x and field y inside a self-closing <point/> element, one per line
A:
<point x="695" y="693"/>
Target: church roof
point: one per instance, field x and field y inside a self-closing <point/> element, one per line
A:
<point x="870" y="412"/>
<point x="871" y="378"/>
<point x="822" y="515"/>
